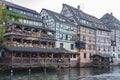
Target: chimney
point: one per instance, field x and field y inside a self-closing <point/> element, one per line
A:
<point x="111" y="13"/>
<point x="78" y="7"/>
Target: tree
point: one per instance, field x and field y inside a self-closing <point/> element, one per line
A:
<point x="2" y="13"/>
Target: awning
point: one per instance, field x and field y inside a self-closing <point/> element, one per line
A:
<point x="103" y="55"/>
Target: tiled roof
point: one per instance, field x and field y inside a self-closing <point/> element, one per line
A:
<point x="58" y="17"/>
<point x="19" y="7"/>
<point x="31" y="49"/>
<point x="110" y="21"/>
<point x="78" y="14"/>
<point x="82" y="15"/>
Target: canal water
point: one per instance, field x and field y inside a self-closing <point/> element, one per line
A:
<point x="112" y="73"/>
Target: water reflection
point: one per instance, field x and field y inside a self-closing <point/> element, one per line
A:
<point x="65" y="74"/>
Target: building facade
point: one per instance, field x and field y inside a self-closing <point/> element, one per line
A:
<point x="91" y="32"/>
<point x="103" y="39"/>
<point x="114" y="25"/>
<point x="85" y="32"/>
<point x="69" y="38"/>
<point x="65" y="31"/>
<point x="27" y="42"/>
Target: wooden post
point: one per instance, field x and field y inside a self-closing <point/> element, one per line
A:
<point x="11" y="64"/>
<point x="45" y="62"/>
<point x="52" y="57"/>
<point x="37" y="58"/>
<point x="30" y="60"/>
<point x="21" y="58"/>
<point x="11" y="60"/>
<point x="29" y="71"/>
<point x="69" y="60"/>
<point x="47" y="45"/>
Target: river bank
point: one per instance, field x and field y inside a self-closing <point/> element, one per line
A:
<point x="62" y="74"/>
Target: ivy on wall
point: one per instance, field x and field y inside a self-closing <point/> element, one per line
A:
<point x="3" y="17"/>
<point x="2" y="13"/>
<point x="2" y="32"/>
<point x="7" y="15"/>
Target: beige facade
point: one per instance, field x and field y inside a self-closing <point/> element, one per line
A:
<point x="87" y="35"/>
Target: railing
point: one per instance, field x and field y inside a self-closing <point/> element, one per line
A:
<point x="32" y="61"/>
<point x="17" y="44"/>
<point x="28" y="33"/>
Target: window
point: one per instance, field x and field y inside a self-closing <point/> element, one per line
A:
<point x="29" y="14"/>
<point x="30" y="22"/>
<point x="83" y="29"/>
<point x="90" y="39"/>
<point x="35" y="16"/>
<point x="24" y="12"/>
<point x="46" y="16"/>
<point x="65" y="12"/>
<point x="10" y="8"/>
<point x="113" y="55"/>
<point x="99" y="49"/>
<point x="21" y="12"/>
<point x="84" y="38"/>
<point x="25" y="21"/>
<point x="89" y="46"/>
<point x="90" y="56"/>
<point x="104" y="49"/>
<point x="113" y="49"/>
<point x="61" y="45"/>
<point x="21" y="20"/>
<point x="43" y="17"/>
<point x="13" y="18"/>
<point x="72" y="46"/>
<point x="93" y="47"/>
<point x="74" y="55"/>
<point x="84" y="55"/>
<point x="66" y="37"/>
<point x="61" y="36"/>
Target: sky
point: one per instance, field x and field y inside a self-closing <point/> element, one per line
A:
<point x="96" y="8"/>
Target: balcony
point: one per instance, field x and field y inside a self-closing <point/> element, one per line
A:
<point x="28" y="33"/>
<point x="19" y="44"/>
<point x="42" y="61"/>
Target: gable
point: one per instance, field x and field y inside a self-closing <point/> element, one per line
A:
<point x="45" y="15"/>
<point x="65" y="11"/>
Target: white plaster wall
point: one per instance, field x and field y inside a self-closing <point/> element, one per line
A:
<point x="117" y="47"/>
<point x="66" y="45"/>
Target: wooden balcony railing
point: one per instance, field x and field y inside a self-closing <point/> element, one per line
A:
<point x="28" y="33"/>
<point x="17" y="44"/>
<point x="33" y="61"/>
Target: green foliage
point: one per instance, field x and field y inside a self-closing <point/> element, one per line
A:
<point x="2" y="13"/>
<point x="7" y="15"/>
<point x="2" y="32"/>
<point x="13" y="14"/>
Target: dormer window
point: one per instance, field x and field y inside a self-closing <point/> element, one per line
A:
<point x="65" y="12"/>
